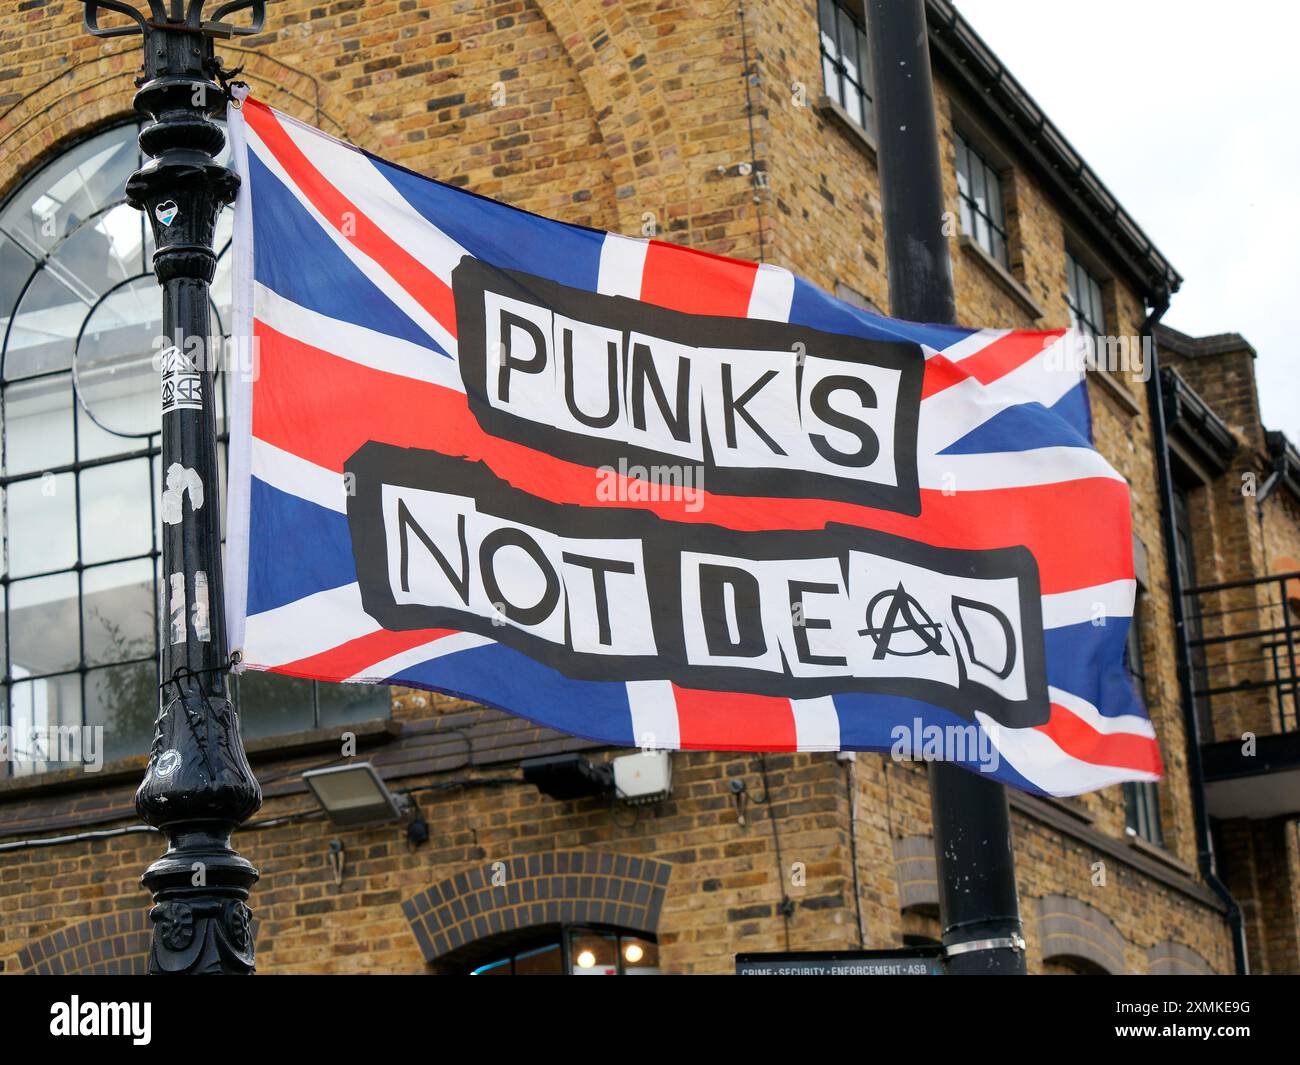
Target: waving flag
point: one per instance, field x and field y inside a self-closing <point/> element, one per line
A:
<point x="657" y="497"/>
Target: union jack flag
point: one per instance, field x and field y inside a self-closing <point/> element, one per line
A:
<point x="344" y="278"/>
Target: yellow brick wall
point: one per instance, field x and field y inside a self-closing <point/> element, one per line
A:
<point x="618" y="115"/>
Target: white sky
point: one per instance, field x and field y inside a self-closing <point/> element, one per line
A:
<point x="1189" y="110"/>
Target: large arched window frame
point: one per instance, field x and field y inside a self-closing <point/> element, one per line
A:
<point x="80" y="468"/>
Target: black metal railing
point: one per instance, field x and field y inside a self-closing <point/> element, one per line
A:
<point x="1245" y="641"/>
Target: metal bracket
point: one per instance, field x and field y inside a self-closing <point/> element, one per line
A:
<point x="1015" y="942"/>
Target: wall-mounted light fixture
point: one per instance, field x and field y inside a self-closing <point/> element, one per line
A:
<point x="353" y="795"/>
<point x="644" y="777"/>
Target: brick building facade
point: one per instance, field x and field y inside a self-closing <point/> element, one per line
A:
<point x="635" y="117"/>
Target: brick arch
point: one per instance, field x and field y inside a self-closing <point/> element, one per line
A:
<point x="635" y="121"/>
<point x="115" y="944"/>
<point x="1171" y="958"/>
<point x="97" y="91"/>
<point x="1070" y="928"/>
<point x="918" y="880"/>
<point x="569" y="887"/>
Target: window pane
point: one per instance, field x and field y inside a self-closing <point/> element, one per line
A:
<point x="640" y="956"/>
<point x="864" y="62"/>
<point x="541" y="961"/>
<point x="342" y="704"/>
<point x="44" y="634"/>
<point x="848" y="44"/>
<point x="41" y="524"/>
<point x="270" y="704"/>
<point x="16" y="267"/>
<point x="124" y="700"/>
<point x="853" y="103"/>
<point x="116" y="372"/>
<point x="963" y="166"/>
<point x="222" y="281"/>
<point x="593" y="954"/>
<point x="115" y="511"/>
<point x="993" y="187"/>
<point x="102" y="252"/>
<point x="118" y="612"/>
<point x="37" y="419"/>
<point x="999" y="249"/>
<point x="42" y="704"/>
<point x="832" y="79"/>
<point x="977" y="183"/>
<point x="72" y="188"/>
<point x="44" y="328"/>
<point x="826" y="20"/>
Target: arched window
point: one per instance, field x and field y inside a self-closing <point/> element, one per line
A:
<point x="558" y="950"/>
<point x="80" y="321"/>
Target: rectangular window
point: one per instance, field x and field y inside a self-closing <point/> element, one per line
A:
<point x="979" y="188"/>
<point x="846" y="62"/>
<point x="1083" y="294"/>
<point x="1141" y="799"/>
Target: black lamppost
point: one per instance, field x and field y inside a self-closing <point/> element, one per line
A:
<point x="978" y="904"/>
<point x="198" y="787"/>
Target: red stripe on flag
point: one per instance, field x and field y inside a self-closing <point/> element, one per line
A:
<point x="322" y="408"/>
<point x="998" y="359"/>
<point x="426" y="287"/>
<point x="727" y="721"/>
<point x="1081" y="741"/>
<point x="348" y="659"/>
<point x="696" y="282"/>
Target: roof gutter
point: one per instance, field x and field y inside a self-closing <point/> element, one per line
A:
<point x="1195" y="771"/>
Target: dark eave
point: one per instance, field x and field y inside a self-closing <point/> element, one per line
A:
<point x="959" y="50"/>
<point x="1194" y="425"/>
<point x="1286" y="460"/>
<point x="1202" y="347"/>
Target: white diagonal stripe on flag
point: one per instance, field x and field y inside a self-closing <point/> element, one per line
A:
<point x="356" y="343"/>
<point x="307" y="626"/>
<point x="356" y="177"/>
<point x="381" y="672"/>
<point x="1115" y="600"/>
<point x="373" y="271"/>
<point x="298" y="477"/>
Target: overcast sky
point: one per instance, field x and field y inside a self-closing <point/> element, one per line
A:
<point x="1189" y="111"/>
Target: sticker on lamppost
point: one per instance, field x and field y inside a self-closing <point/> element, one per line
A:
<point x="182" y="384"/>
<point x="166" y="212"/>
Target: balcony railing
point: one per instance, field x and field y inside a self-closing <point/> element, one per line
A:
<point x="1245" y="642"/>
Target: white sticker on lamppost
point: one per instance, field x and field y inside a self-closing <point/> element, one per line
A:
<point x="182" y="384"/>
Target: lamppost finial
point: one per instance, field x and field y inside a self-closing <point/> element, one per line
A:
<point x="185" y="16"/>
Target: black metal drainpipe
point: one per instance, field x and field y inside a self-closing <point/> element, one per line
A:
<point x="1204" y="844"/>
